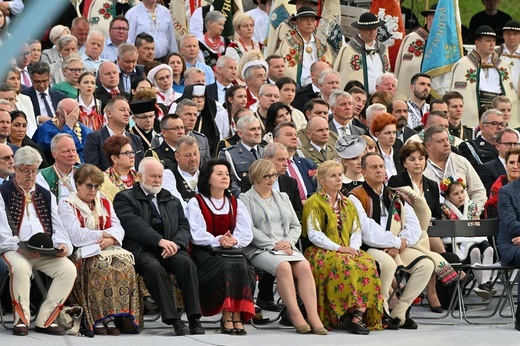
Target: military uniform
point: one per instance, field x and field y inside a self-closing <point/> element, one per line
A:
<point x="163" y="153"/>
<point x="478" y="151"/>
<point x="310" y="152"/>
<point x="240" y="159"/>
<point x="463" y="132"/>
<point x="204" y="149"/>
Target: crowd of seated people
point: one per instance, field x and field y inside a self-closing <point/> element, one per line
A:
<point x="134" y="160"/>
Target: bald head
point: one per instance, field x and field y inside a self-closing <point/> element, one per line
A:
<point x="316" y="69"/>
<point x="108" y="75"/>
<point x="6" y="161"/>
<point x="317" y="131"/>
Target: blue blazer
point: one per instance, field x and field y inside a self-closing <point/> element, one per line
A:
<point x="56" y="97"/>
<point x="509" y="226"/>
<point x="306" y="165"/>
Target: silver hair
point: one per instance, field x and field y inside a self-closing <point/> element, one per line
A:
<point x="190" y="71"/>
<point x="144" y="163"/>
<point x="93" y="33"/>
<point x="224" y="60"/>
<point x="271" y="148"/>
<point x="186" y="140"/>
<point x="58" y="137"/>
<point x="384" y="76"/>
<point x="73" y="57"/>
<point x="27" y="156"/>
<point x="248" y="73"/>
<point x="6" y="103"/>
<point x="213" y="17"/>
<point x="185" y="37"/>
<point x="486" y="114"/>
<point x="336" y="94"/>
<point x="242" y="122"/>
<point x="372" y="108"/>
<point x="64" y="40"/>
<point x="267" y="86"/>
<point x="184" y="103"/>
<point x="125" y="48"/>
<point x="325" y="73"/>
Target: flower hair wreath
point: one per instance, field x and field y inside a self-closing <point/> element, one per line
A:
<point x="447" y="182"/>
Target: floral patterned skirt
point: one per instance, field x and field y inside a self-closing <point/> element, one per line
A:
<point x="342" y="283"/>
<point x="108" y="288"/>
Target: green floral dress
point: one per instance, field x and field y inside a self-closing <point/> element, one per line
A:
<point x="341" y="283"/>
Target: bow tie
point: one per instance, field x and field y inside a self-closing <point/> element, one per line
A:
<point x="487" y="65"/>
<point x="372" y="51"/>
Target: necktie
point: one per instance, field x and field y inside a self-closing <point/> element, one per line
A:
<point x="114" y="93"/>
<point x="253" y="151"/>
<point x="156" y="217"/>
<point x="322" y="151"/>
<point x="26" y="79"/>
<point x="293" y="174"/>
<point x="47" y="107"/>
<point x="342" y="131"/>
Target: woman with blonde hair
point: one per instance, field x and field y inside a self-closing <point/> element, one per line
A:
<point x="347" y="281"/>
<point x="244" y="26"/>
<point x="52" y="55"/>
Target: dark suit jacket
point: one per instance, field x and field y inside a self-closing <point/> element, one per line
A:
<point x="430" y="188"/>
<point x="485" y="151"/>
<point x="408" y="132"/>
<point x="93" y="151"/>
<point x="56" y="97"/>
<point x="490" y="171"/>
<point x="354" y="130"/>
<point x="307" y="170"/>
<point x="509" y="215"/>
<point x="139" y="72"/>
<point x="133" y="209"/>
<point x="397" y="147"/>
<point x="212" y="91"/>
<point x="303" y="96"/>
<point x="104" y="96"/>
<point x="163" y="153"/>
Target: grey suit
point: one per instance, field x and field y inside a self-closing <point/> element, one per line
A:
<point x="263" y="239"/>
<point x="240" y="159"/>
<point x="354" y="130"/>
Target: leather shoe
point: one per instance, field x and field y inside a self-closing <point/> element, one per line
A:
<point x="20" y="330"/>
<point x="196" y="327"/>
<point x="114" y="331"/>
<point x="269" y="305"/>
<point x="436" y="309"/>
<point x="409" y="324"/>
<point x="53" y="329"/>
<point x="180" y="328"/>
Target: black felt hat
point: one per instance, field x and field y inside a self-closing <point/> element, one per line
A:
<point x="432" y="10"/>
<point x="41" y="243"/>
<point x="293" y="2"/>
<point x="143" y="106"/>
<point x="368" y="20"/>
<point x="305" y="11"/>
<point x="512" y="25"/>
<point x="483" y="30"/>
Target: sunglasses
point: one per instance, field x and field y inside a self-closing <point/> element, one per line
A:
<point x="91" y="186"/>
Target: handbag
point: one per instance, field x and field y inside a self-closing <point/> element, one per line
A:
<point x="69" y="319"/>
<point x="229" y="252"/>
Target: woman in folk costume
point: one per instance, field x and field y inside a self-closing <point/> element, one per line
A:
<point x="347" y="282"/>
<point x="471" y="250"/>
<point x="302" y="48"/>
<point x="106" y="286"/>
<point x="364" y="58"/>
<point x="213" y="45"/>
<point x="161" y="77"/>
<point x="244" y="26"/>
<point x="411" y="53"/>
<point x="481" y="76"/>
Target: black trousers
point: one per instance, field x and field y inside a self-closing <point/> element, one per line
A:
<point x="155" y="272"/>
<point x="265" y="287"/>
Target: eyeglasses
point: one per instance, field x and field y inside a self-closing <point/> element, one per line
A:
<point x="276" y="96"/>
<point x="75" y="70"/>
<point x="175" y="128"/>
<point x="28" y="171"/>
<point x="198" y="97"/>
<point x="496" y="124"/>
<point x="509" y="144"/>
<point x="91" y="186"/>
<point x="42" y="81"/>
<point x="128" y="153"/>
<point x="7" y="157"/>
<point x="270" y="176"/>
<point x="119" y="29"/>
<point x="163" y="78"/>
<point x="25" y="54"/>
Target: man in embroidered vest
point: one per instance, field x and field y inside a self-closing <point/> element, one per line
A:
<point x="143" y="113"/>
<point x="442" y="163"/>
<point x="364" y="58"/>
<point x="481" y="75"/>
<point x="65" y="121"/>
<point x="411" y="53"/>
<point x="31" y="219"/>
<point x="390" y="240"/>
<point x="186" y="172"/>
<point x="510" y="50"/>
<point x="59" y="178"/>
<point x="157" y="233"/>
<point x="302" y="48"/>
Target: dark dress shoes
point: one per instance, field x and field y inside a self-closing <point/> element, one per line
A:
<point x="20" y="330"/>
<point x="53" y="329"/>
<point x="196" y="327"/>
<point x="180" y="328"/>
<point x="269" y="305"/>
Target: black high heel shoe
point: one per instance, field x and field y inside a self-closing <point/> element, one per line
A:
<point x="225" y="330"/>
<point x="239" y="331"/>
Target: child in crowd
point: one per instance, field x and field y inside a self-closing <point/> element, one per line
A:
<point x="474" y="250"/>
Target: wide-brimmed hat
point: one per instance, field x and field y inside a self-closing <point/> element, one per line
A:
<point x="143" y="106"/>
<point x="483" y="30"/>
<point x="293" y="2"/>
<point x="512" y="25"/>
<point x="432" y="10"/>
<point x="368" y="21"/>
<point x="350" y="146"/>
<point x="305" y="11"/>
<point x="41" y="243"/>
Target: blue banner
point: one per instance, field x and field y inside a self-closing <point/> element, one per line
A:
<point x="444" y="44"/>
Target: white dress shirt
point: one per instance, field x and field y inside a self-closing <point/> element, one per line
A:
<point x="374" y="68"/>
<point x="43" y="110"/>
